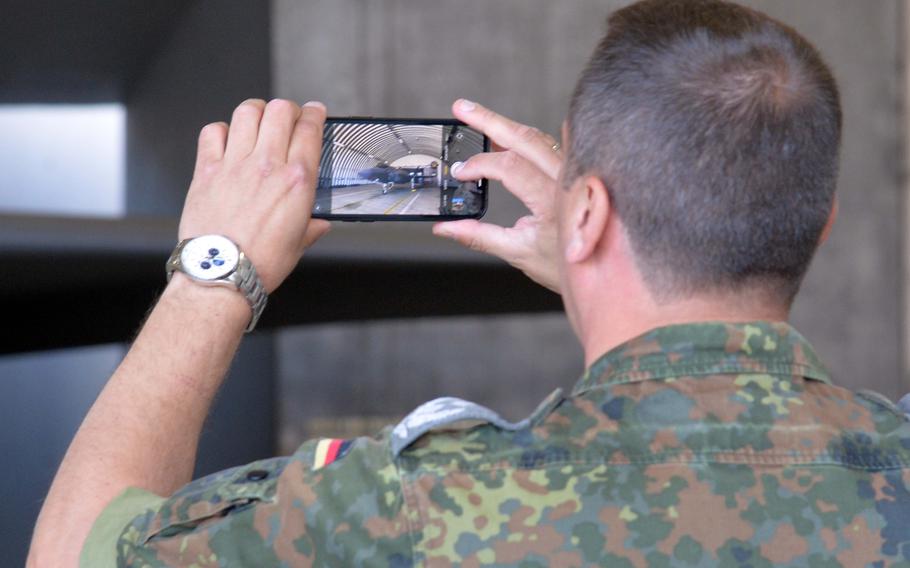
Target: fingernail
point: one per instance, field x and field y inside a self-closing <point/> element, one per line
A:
<point x="466" y="105"/>
<point x="316" y="104"/>
<point x="442" y="231"/>
<point x="456" y="167"/>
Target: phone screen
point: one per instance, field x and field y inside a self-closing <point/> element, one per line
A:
<point x="397" y="169"/>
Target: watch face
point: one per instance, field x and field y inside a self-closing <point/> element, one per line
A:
<point x="209" y="257"/>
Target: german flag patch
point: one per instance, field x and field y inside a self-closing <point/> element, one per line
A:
<point x="328" y="450"/>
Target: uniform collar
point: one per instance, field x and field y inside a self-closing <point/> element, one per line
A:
<point x="707" y="349"/>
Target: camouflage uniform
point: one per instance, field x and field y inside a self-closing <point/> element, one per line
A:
<point x="692" y="445"/>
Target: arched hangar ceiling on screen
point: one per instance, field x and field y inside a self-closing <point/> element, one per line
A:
<point x="358" y="146"/>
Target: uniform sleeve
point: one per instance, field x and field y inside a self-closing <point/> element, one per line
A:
<point x="99" y="550"/>
<point x="334" y="502"/>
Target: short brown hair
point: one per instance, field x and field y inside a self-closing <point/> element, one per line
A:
<point x="717" y="131"/>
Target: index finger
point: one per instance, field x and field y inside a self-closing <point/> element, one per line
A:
<point x="527" y="141"/>
<point x="306" y="140"/>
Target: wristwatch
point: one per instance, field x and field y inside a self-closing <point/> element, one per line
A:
<point x="214" y="260"/>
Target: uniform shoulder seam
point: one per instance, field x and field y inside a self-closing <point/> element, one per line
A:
<point x="706" y="457"/>
<point x="407" y="505"/>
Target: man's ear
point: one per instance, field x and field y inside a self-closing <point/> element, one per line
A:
<point x="829" y="224"/>
<point x="589" y="213"/>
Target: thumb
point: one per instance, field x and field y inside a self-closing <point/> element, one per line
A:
<point x="482" y="237"/>
<point x="316" y="229"/>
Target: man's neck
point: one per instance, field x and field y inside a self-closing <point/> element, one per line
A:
<point x="625" y="320"/>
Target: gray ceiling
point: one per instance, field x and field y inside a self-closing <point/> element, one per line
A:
<point x="70" y="51"/>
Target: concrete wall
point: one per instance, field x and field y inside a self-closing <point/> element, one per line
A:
<point x="407" y="58"/>
<point x="216" y="56"/>
<point x="521" y="57"/>
<point x="353" y="378"/>
<point x="851" y="305"/>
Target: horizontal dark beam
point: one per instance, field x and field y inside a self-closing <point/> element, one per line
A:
<point x="61" y="57"/>
<point x="70" y="285"/>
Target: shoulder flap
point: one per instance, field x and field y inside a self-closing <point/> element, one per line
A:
<point x="904" y="405"/>
<point x="450" y="410"/>
<point x="902" y="408"/>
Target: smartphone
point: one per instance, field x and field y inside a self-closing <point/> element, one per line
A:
<point x="398" y="169"/>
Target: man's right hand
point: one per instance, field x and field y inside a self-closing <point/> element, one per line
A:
<point x="528" y="165"/>
<point x="255" y="183"/>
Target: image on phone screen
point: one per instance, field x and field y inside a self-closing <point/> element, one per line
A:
<point x="397" y="170"/>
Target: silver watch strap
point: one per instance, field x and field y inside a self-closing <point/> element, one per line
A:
<point x="248" y="282"/>
<point x="244" y="278"/>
